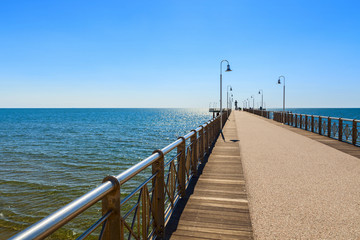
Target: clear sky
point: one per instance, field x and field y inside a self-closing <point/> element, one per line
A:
<point x="79" y="53"/>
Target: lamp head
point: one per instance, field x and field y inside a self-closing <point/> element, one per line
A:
<point x="279" y="82"/>
<point x="259" y="92"/>
<point x="228" y="68"/>
<point x="230" y="88"/>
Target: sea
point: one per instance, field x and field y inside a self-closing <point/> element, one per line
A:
<point x="49" y="157"/>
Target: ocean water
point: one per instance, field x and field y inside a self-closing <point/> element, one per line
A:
<point x="49" y="157"/>
<point x="351" y="113"/>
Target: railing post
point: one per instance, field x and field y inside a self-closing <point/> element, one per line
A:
<point x="182" y="161"/>
<point x="301" y="121"/>
<point x="201" y="143"/>
<point x="212" y="130"/>
<point x="306" y="122"/>
<point x="159" y="195"/>
<point x="194" y="153"/>
<point x="312" y="123"/>
<point x="340" y="129"/>
<point x="114" y="227"/>
<point x="207" y="138"/>
<point x="295" y="120"/>
<point x="329" y="127"/>
<point x="288" y="118"/>
<point x="214" y="127"/>
<point x="354" y="132"/>
<point x="320" y="125"/>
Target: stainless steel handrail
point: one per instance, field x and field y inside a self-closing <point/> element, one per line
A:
<point x="54" y="221"/>
<point x="59" y="218"/>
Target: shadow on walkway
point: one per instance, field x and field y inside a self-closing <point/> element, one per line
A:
<point x="174" y="219"/>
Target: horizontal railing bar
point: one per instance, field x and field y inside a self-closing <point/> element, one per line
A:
<point x="137" y="189"/>
<point x="171" y="146"/>
<point x="134" y="170"/>
<point x="131" y="210"/>
<point x="198" y="129"/>
<point x="94" y="226"/>
<point x="171" y="160"/>
<point x="49" y="224"/>
<point x="190" y="134"/>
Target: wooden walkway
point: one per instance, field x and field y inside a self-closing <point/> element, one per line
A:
<point x="216" y="206"/>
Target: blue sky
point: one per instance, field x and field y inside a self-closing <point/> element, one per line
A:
<point x="167" y="53"/>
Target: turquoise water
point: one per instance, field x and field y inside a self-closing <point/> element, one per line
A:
<point x="49" y="157"/>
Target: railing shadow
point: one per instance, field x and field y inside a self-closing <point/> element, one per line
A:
<point x="173" y="223"/>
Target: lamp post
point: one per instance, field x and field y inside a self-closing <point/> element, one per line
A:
<point x="248" y="103"/>
<point x="252" y="96"/>
<point x="227" y="95"/>
<point x="279" y="82"/>
<point x="227" y="70"/>
<point x="262" y="99"/>
<point x="230" y="102"/>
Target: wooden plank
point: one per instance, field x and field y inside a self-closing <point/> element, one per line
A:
<point x="217" y="206"/>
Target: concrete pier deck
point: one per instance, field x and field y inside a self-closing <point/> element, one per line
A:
<point x="298" y="187"/>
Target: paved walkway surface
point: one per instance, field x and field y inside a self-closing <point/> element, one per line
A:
<point x="218" y="206"/>
<point x="334" y="143"/>
<point x="298" y="188"/>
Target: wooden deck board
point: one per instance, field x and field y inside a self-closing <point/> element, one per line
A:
<point x="217" y="207"/>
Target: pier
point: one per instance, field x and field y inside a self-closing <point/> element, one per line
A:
<point x="268" y="179"/>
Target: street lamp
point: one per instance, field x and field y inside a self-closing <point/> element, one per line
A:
<point x="253" y="101"/>
<point x="248" y="103"/>
<point x="279" y="82"/>
<point x="227" y="95"/>
<point x="262" y="98"/>
<point x="227" y="70"/>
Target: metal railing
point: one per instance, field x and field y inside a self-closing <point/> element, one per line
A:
<point x="144" y="212"/>
<point x="342" y="129"/>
